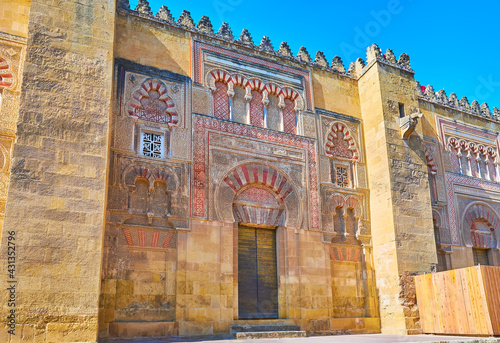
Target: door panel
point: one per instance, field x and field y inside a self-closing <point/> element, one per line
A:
<point x="257" y="273"/>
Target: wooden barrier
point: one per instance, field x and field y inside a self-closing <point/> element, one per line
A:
<point x="462" y="301"/>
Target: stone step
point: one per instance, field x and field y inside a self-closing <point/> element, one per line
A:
<point x="270" y="334"/>
<point x="263" y="327"/>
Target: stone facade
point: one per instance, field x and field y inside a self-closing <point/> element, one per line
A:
<point x="136" y="149"/>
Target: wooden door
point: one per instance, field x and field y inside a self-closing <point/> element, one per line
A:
<point x="257" y="273"/>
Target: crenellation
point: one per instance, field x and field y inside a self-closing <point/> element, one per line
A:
<point x="225" y="32"/>
<point x="124" y="4"/>
<point x="485" y="110"/>
<point x="320" y="59"/>
<point x="404" y="61"/>
<point x="338" y="65"/>
<point x="303" y="55"/>
<point x="373" y="53"/>
<point x="246" y="38"/>
<point x="390" y="57"/>
<point x="429" y="93"/>
<point x="474" y="107"/>
<point x="285" y="50"/>
<point x="464" y="103"/>
<point x="420" y="89"/>
<point x="452" y="101"/>
<point x="205" y="25"/>
<point x="186" y="20"/>
<point x="164" y="14"/>
<point x="266" y="45"/>
<point x="143" y="7"/>
<point x="352" y="68"/>
<point x="441" y="97"/>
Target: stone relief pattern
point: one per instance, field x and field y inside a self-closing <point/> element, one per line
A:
<point x="309" y="126"/>
<point x="453" y="179"/>
<point x="258" y="205"/>
<point x="153" y="99"/>
<point x="202" y="103"/>
<point x="271" y="178"/>
<point x="149" y="238"/>
<point x="201" y="125"/>
<point x="345" y="254"/>
<point x="150" y="102"/>
<point x="340" y="143"/>
<point x="200" y="47"/>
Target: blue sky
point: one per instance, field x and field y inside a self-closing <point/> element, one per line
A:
<point x="453" y="45"/>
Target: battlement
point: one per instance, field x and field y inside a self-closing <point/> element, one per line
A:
<point x="440" y="98"/>
<point x="355" y="69"/>
<point x="205" y="27"/>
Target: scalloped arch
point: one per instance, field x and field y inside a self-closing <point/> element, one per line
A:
<point x="216" y="75"/>
<point x="331" y="136"/>
<point x="253" y="174"/>
<point x="345" y="203"/>
<point x="169" y="116"/>
<point x="480" y="210"/>
<point x="7" y="77"/>
<point x="431" y="165"/>
<point x="133" y="172"/>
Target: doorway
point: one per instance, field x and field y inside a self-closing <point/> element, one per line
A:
<point x="257" y="273"/>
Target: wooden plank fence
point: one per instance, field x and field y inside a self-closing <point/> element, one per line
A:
<point x="461" y="301"/>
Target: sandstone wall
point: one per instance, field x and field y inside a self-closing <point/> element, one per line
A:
<point x="401" y="214"/>
<point x="57" y="189"/>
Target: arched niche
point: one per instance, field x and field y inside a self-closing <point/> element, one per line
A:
<point x="480" y="226"/>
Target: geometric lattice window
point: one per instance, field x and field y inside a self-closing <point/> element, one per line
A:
<point x="152" y="144"/>
<point x="480" y="257"/>
<point x="342" y="176"/>
<point x="221" y="101"/>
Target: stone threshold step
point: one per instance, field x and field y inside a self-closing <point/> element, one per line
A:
<point x="263" y="327"/>
<point x="270" y="334"/>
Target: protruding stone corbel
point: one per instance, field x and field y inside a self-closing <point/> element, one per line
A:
<point x="408" y="124"/>
<point x="150" y="217"/>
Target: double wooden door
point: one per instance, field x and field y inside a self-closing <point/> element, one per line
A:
<point x="257" y="273"/>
